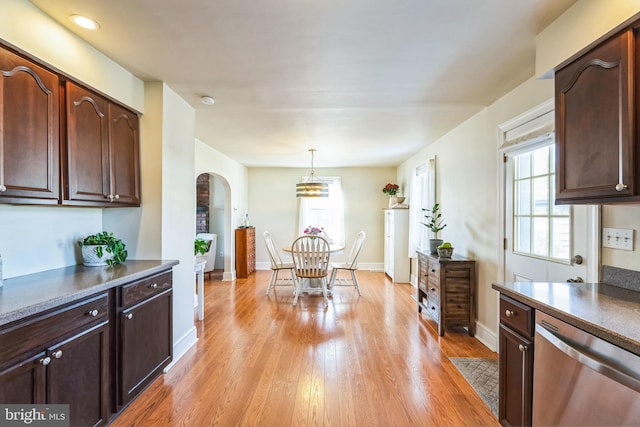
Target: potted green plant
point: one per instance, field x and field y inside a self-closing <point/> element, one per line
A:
<point x="102" y="249"/>
<point x="201" y="246"/>
<point x="435" y="223"/>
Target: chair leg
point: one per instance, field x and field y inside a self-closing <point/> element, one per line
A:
<point x="333" y="278"/>
<point x="323" y="283"/>
<point x="355" y="281"/>
<point x="274" y="276"/>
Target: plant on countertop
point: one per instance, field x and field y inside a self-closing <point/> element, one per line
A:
<point x="201" y="247"/>
<point x="113" y="245"/>
<point x="391" y="189"/>
<point x="434" y="219"/>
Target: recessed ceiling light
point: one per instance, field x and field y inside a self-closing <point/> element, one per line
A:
<point x="85" y="22"/>
<point x="207" y="100"/>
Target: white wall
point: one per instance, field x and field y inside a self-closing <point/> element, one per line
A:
<point x="54" y="230"/>
<point x="273" y="206"/>
<point x="467" y="186"/>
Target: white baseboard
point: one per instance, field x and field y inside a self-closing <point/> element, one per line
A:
<point x="486" y="336"/>
<point x="181" y="346"/>
<point x="228" y="276"/>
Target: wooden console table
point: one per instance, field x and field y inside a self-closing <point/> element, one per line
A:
<point x="447" y="290"/>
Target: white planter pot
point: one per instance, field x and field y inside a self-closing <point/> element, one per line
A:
<point x="91" y="258"/>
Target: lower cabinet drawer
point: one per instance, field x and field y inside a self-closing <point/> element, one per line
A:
<point x="44" y="329"/>
<point x="144" y="288"/>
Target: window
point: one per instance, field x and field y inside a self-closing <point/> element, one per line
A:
<point x="540" y="228"/>
<point x="422" y="196"/>
<point x="325" y="212"/>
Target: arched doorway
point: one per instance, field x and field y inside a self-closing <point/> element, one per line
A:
<point x="213" y="215"/>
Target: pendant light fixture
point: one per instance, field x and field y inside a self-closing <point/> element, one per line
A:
<point x="311" y="187"/>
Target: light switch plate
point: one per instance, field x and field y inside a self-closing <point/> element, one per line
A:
<point x="617" y="238"/>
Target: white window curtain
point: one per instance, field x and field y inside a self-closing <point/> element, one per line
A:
<point x="325" y="212"/>
<point x="423" y="196"/>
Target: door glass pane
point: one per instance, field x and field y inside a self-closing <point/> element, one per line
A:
<point x="541" y="162"/>
<point x="541" y="195"/>
<point x="541" y="236"/>
<point x="523" y="166"/>
<point x="561" y="238"/>
<point x="523" y="196"/>
<point x="541" y="229"/>
<point x="523" y="234"/>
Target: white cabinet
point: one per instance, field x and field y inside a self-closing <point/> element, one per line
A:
<point x="396" y="245"/>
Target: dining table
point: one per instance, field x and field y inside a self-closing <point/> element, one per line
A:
<point x="314" y="284"/>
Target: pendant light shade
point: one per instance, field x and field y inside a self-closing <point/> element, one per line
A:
<point x="311" y="187"/>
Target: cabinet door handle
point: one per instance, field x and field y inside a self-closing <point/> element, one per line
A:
<point x="45" y="361"/>
<point x="57" y="354"/>
<point x="522" y="348"/>
<point x="153" y="286"/>
<point x="93" y="313"/>
<point x="433" y="270"/>
<point x="508" y="313"/>
<point x="129" y="316"/>
<point x="433" y="289"/>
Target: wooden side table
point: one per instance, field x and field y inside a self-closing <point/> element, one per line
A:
<point x="447" y="290"/>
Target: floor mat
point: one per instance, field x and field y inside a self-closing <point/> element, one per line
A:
<point x="482" y="374"/>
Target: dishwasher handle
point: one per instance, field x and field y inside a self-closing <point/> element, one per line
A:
<point x="626" y="377"/>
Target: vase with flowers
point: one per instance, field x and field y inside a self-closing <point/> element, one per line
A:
<point x="392" y="190"/>
<point x="313" y="231"/>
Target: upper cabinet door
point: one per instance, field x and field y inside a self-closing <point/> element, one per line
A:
<point x="595" y="122"/>
<point x="102" y="151"/>
<point x="124" y="156"/>
<point x="29" y="132"/>
<point x="87" y="149"/>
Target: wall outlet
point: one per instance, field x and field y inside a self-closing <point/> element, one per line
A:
<point x="617" y="238"/>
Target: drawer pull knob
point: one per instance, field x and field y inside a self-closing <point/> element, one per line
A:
<point x="45" y="361"/>
<point x="508" y="313"/>
<point x="57" y="354"/>
<point x="433" y="289"/>
<point x="153" y="286"/>
<point x="522" y="348"/>
<point x="621" y="186"/>
<point x="3" y="188"/>
<point x="129" y="316"/>
<point x="93" y="313"/>
<point x="433" y="270"/>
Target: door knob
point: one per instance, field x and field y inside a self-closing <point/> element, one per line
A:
<point x="577" y="259"/>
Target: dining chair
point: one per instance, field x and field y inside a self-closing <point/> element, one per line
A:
<point x="351" y="265"/>
<point x="311" y="258"/>
<point x="277" y="265"/>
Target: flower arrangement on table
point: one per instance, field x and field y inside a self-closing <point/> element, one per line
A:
<point x="313" y="231"/>
<point x="391" y="189"/>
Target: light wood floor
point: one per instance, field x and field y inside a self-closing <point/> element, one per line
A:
<point x="362" y="361"/>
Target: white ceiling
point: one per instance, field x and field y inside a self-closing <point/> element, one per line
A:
<point x="365" y="82"/>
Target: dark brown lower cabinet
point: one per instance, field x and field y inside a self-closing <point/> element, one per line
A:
<point x="145" y="332"/>
<point x="95" y="355"/>
<point x="74" y="370"/>
<point x="516" y="362"/>
<point x="516" y="378"/>
<point x="145" y="336"/>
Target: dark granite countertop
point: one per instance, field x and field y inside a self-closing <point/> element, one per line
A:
<point x="33" y="293"/>
<point x="609" y="312"/>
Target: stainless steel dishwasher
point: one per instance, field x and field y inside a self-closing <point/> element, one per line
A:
<point x="582" y="380"/>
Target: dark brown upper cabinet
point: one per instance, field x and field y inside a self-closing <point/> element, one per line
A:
<point x="597" y="149"/>
<point x="102" y="151"/>
<point x="29" y="132"/>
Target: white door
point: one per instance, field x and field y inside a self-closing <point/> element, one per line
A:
<point x="544" y="242"/>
